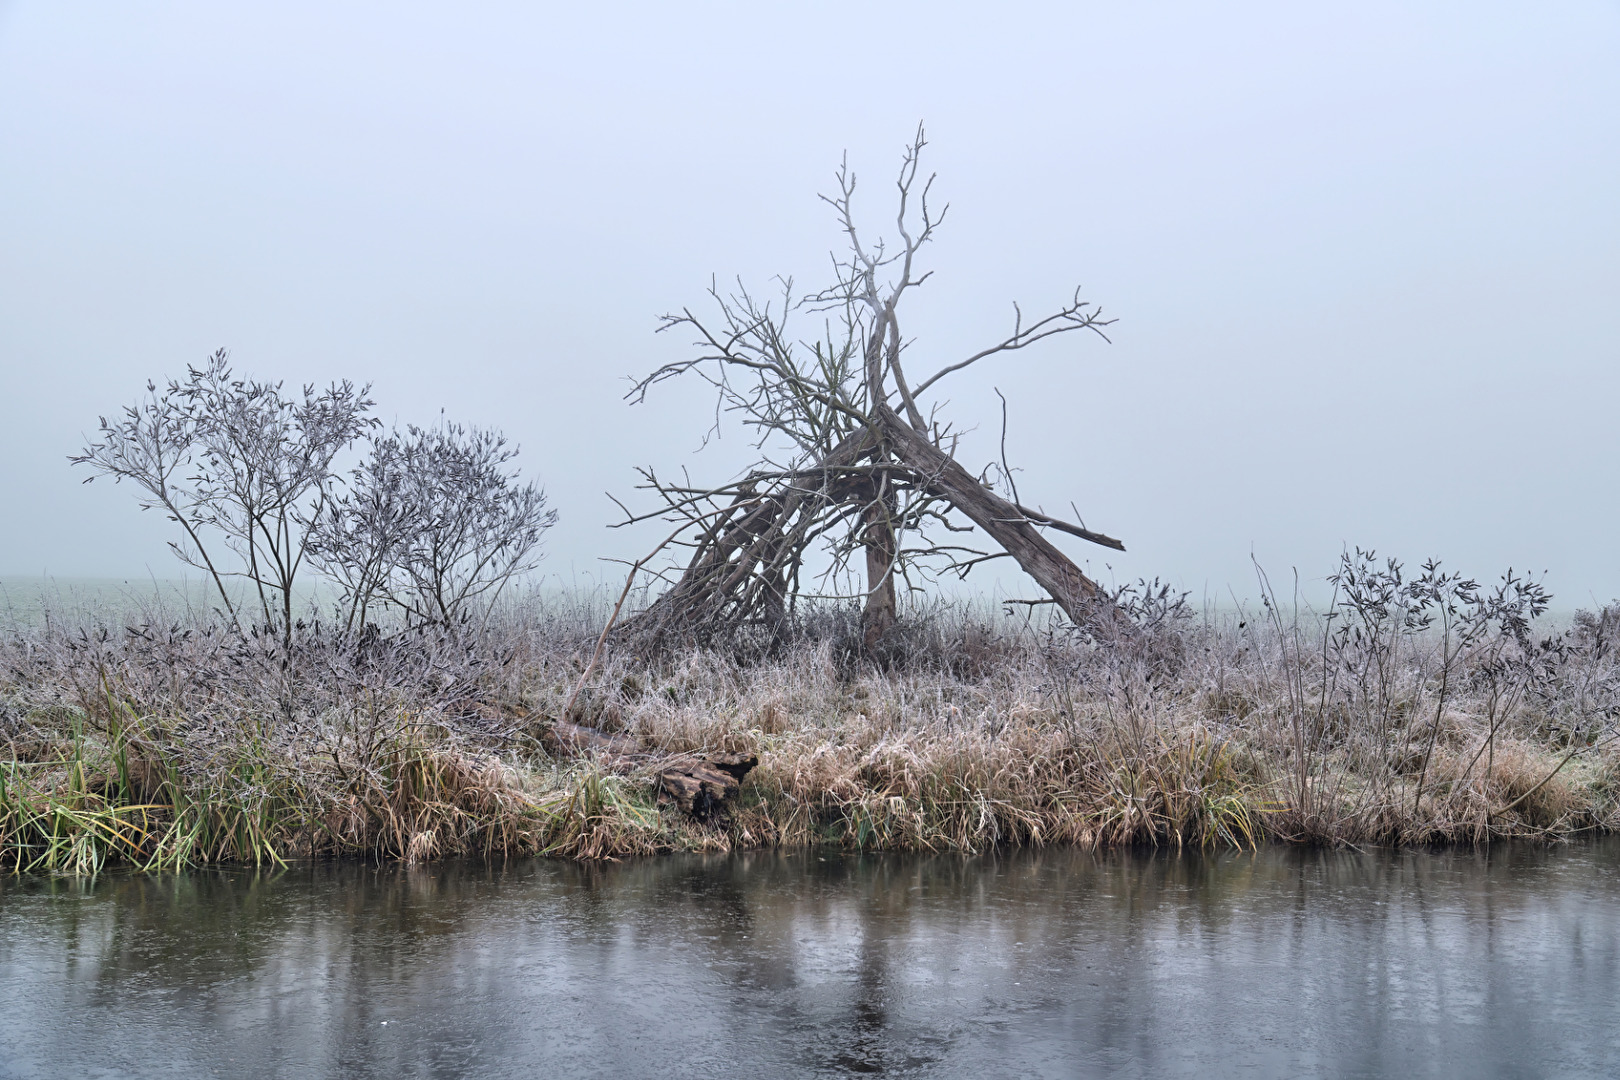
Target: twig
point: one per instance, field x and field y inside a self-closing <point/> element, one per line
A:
<point x="601" y="640"/>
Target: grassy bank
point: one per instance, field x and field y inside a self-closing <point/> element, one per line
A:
<point x="163" y="744"/>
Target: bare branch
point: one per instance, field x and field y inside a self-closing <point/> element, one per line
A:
<point x="1074" y="316"/>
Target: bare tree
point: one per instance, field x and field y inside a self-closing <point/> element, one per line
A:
<point x="236" y="461"/>
<point x="848" y="457"/>
<point x="435" y="524"/>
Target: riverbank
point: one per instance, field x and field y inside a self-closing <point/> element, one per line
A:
<point x="167" y="745"/>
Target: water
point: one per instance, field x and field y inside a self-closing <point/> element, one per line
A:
<point x="1055" y="963"/>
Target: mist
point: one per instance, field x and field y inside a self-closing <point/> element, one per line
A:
<point x="1363" y="261"/>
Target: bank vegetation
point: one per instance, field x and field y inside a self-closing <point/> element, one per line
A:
<point x="1417" y="708"/>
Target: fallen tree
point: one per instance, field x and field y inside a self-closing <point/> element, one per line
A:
<point x="848" y="461"/>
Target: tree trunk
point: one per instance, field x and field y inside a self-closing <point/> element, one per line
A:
<point x="878" y="615"/>
<point x="1080" y="597"/>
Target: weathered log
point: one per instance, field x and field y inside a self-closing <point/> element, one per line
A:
<point x="703" y="787"/>
<point x="574" y="739"/>
<point x="700" y="787"/>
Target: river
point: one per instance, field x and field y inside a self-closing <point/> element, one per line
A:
<point x="1502" y="962"/>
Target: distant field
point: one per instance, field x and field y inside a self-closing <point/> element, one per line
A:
<point x="91" y="600"/>
<point x="95" y="601"/>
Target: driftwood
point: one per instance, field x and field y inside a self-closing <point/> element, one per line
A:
<point x="698" y="785"/>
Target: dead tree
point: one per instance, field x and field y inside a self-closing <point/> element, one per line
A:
<point x="849" y="461"/>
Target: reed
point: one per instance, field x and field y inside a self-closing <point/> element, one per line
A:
<point x="171" y="741"/>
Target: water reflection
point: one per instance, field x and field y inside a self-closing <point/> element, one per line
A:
<point x="1055" y="963"/>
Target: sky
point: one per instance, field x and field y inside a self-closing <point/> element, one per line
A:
<point x="1364" y="259"/>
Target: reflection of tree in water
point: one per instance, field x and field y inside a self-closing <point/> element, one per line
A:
<point x="767" y="925"/>
<point x="883" y="895"/>
<point x="868" y="1044"/>
<point x="117" y="931"/>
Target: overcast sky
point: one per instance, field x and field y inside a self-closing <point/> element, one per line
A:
<point x="1365" y="259"/>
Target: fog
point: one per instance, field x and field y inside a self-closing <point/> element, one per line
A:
<point x="1364" y="259"/>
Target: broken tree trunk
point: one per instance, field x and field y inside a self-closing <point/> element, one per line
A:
<point x="746" y="557"/>
<point x="1082" y="599"/>
<point x="743" y="563"/>
<point x="867" y="480"/>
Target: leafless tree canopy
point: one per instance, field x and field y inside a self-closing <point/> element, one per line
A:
<point x="236" y="462"/>
<point x="432" y="524"/>
<point x="853" y="455"/>
<point x="435" y="524"/>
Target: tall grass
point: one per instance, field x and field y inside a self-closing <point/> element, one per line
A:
<point x="1414" y="709"/>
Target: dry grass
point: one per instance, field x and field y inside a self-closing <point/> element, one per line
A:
<point x="169" y="744"/>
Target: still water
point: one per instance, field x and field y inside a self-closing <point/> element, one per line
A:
<point x="1055" y="963"/>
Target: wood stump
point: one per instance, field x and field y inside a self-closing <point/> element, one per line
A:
<point x="702" y="788"/>
<point x="699" y="786"/>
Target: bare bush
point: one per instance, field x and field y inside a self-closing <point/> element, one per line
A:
<point x="435" y="524"/>
<point x="1380" y="682"/>
<point x="236" y="460"/>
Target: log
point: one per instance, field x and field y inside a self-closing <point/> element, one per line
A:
<point x="567" y="738"/>
<point x="702" y="788"/>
